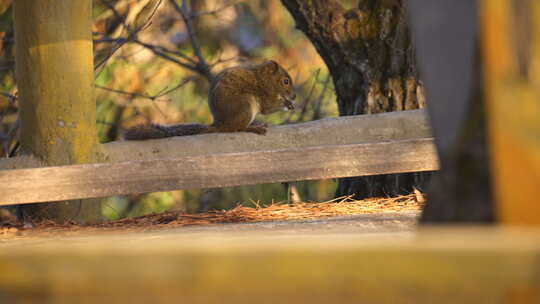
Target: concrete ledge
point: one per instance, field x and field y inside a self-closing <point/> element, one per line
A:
<point x="328" y="131"/>
<point x="450" y="265"/>
<point x="218" y="170"/>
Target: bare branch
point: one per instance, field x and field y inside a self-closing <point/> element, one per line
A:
<point x="165" y="91"/>
<point x="148" y="21"/>
<point x="117" y="14"/>
<point x="221" y="60"/>
<point x="181" y="84"/>
<point x="310" y="95"/>
<point x="132" y="34"/>
<point x="152" y="98"/>
<point x="200" y="65"/>
<point x="130" y="94"/>
<point x="168" y="51"/>
<point x="185" y="11"/>
<point x="317" y="107"/>
<point x="99" y="67"/>
<point x="158" y="51"/>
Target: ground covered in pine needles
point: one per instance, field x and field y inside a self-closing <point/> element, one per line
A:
<point x="240" y="214"/>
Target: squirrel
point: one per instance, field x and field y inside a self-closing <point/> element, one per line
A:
<point x="235" y="97"/>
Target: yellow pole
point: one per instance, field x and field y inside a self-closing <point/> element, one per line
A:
<point x="54" y="65"/>
<point x="511" y="49"/>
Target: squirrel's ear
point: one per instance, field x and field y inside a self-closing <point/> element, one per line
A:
<point x="272" y="66"/>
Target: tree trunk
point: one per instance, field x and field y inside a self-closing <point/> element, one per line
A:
<point x="55" y="79"/>
<point x="370" y="56"/>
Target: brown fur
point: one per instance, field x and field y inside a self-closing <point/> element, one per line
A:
<point x="236" y="96"/>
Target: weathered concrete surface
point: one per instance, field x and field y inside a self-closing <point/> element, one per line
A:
<point x="328" y="131"/>
<point x="219" y="170"/>
<point x="377" y="225"/>
<point x="359" y="259"/>
<point x="380" y="225"/>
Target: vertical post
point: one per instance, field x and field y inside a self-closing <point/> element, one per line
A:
<point x="54" y="66"/>
<point x="511" y="49"/>
<point x="447" y="51"/>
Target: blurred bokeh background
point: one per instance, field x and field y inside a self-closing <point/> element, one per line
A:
<point x="145" y="72"/>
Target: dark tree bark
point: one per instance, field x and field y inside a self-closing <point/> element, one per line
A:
<point x="370" y="56"/>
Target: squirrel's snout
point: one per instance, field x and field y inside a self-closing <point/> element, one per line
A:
<point x="289" y="105"/>
<point x="287" y="101"/>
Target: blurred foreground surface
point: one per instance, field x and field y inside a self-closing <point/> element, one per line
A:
<point x="370" y="258"/>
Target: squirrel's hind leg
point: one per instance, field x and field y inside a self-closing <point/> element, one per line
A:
<point x="258" y="129"/>
<point x="259" y="123"/>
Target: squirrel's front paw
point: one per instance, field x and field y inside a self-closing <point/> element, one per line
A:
<point x="257" y="123"/>
<point x="261" y="130"/>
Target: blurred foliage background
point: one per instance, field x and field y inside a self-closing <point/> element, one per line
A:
<point x="153" y="60"/>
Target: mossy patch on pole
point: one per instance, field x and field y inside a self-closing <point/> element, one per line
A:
<point x="54" y="65"/>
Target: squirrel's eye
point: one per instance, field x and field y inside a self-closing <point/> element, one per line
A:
<point x="286" y="81"/>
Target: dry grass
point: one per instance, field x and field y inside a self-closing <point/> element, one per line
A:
<point x="240" y="214"/>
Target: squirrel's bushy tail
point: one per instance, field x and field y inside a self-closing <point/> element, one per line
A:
<point x="153" y="131"/>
